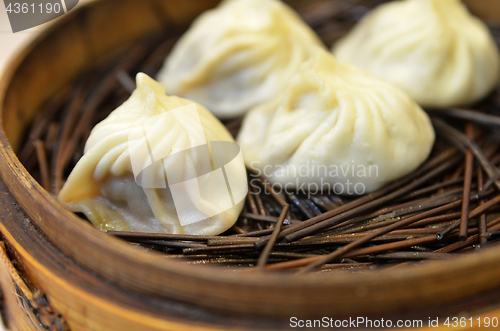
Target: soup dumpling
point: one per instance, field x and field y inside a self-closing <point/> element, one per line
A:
<point x="435" y="50"/>
<point x="336" y="128"/>
<point x="238" y="55"/>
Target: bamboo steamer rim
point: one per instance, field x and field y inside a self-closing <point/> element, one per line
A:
<point x="266" y="294"/>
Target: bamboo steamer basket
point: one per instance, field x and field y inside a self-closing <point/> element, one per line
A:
<point x="60" y="273"/>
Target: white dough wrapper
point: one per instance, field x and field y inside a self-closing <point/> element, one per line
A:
<point x="150" y="167"/>
<point x="238" y="55"/>
<point x="336" y="127"/>
<point x="434" y="49"/>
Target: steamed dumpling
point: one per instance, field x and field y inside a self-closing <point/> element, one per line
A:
<point x="336" y="128"/>
<point x="238" y="55"/>
<point x="434" y="49"/>
<point x="150" y="167"/>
